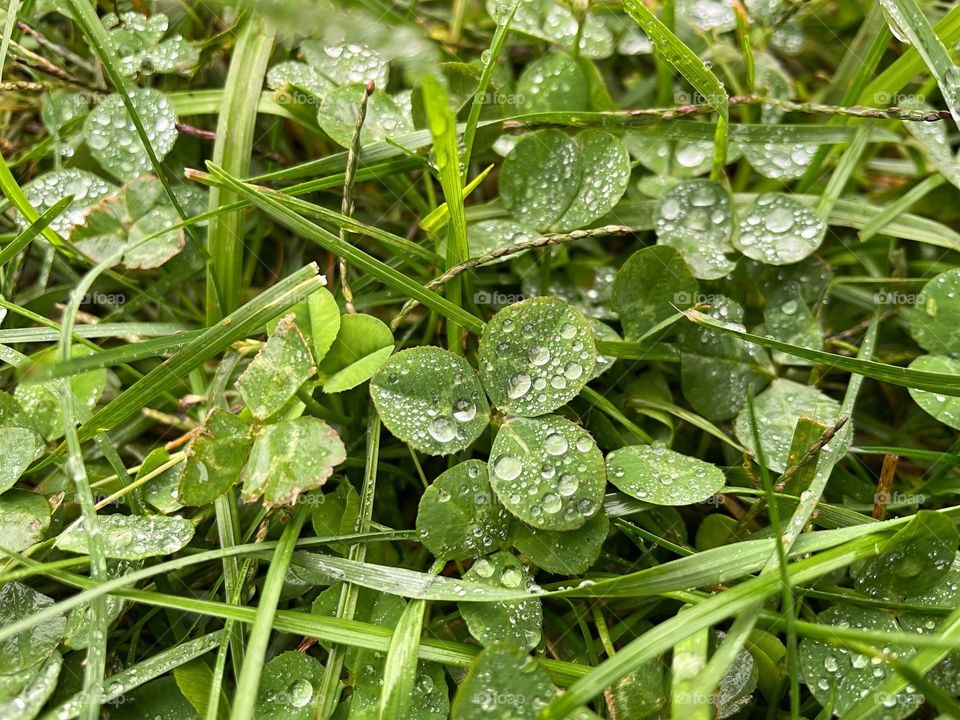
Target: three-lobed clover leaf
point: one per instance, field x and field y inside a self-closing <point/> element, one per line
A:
<point x="273" y="377"/>
<point x="659" y="475"/>
<point x="459" y="516"/>
<point x="557" y="182"/>
<point x="112" y="136"/>
<point x="137" y="225"/>
<point x="431" y="399"/>
<point x="536" y="355"/>
<point x="778" y="230"/>
<point x="291" y="457"/>
<point x="548" y="472"/>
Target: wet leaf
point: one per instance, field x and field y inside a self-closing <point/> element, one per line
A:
<point x="80" y="620"/>
<point x="945" y="408"/>
<point x="659" y="475"/>
<point x="215" y="458"/>
<point x="653" y="285"/>
<point x="112" y="137"/>
<point x="935" y="318"/>
<point x="717" y="371"/>
<point x="843" y="677"/>
<point x="565" y="553"/>
<point x="18" y="601"/>
<point x="551" y="181"/>
<point x="131" y="537"/>
<point x="915" y="559"/>
<point x="298" y="75"/>
<point x="19" y="447"/>
<point x="347" y="63"/>
<point x="430" y="399"/>
<point x="273" y="377"/>
<point x="788" y="319"/>
<point x="518" y="623"/>
<point x="138" y="41"/>
<point x="28" y="700"/>
<point x="504" y="684"/>
<point x="488" y="235"/>
<point x="696" y="218"/>
<point x="335" y="513"/>
<point x="291" y="457"/>
<point x="24" y="518"/>
<point x="289" y="687"/>
<point x="536" y="355"/>
<point x="459" y="515"/>
<point x="46" y="190"/>
<point x="158" y="699"/>
<point x="554" y="83"/>
<point x="780" y="161"/>
<point x="362" y="345"/>
<point x="777" y="410"/>
<point x="160" y="492"/>
<point x="778" y="230"/>
<point x="552" y="21"/>
<point x="121" y="223"/>
<point x="385" y="118"/>
<point x="548" y="472"/>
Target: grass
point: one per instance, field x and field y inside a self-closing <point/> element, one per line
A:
<point x="697" y="529"/>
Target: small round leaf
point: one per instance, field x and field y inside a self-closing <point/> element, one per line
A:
<point x="565" y="553"/>
<point x="548" y="472"/>
<point x="430" y="399"/>
<point x="459" y="515"/>
<point x="518" y="622"/>
<point x="536" y="355"/>
<point x="945" y="408"/>
<point x="653" y="285"/>
<point x="777" y="410"/>
<point x="112" y="137"/>
<point x="696" y="218"/>
<point x="504" y="684"/>
<point x="935" y="319"/>
<point x="659" y="475"/>
<point x="778" y="230"/>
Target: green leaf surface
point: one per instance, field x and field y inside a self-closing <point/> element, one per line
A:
<point x="553" y="82"/>
<point x="547" y="472"/>
<point x="431" y="399"/>
<point x="131" y="537"/>
<point x="536" y="355"/>
<point x="552" y="181"/>
<point x="777" y="410"/>
<point x="19" y="447"/>
<point x="652" y="286"/>
<point x="778" y="230"/>
<point x="696" y="218"/>
<point x="566" y="553"/>
<point x="288" y="687"/>
<point x="482" y="695"/>
<point x="29" y="647"/>
<point x="935" y="318"/>
<point x="119" y="225"/>
<point x="215" y="458"/>
<point x="273" y="377"/>
<point x="362" y="345"/>
<point x="291" y="457"/>
<point x="24" y="519"/>
<point x="459" y="516"/>
<point x="112" y="136"/>
<point x="518" y="623"/>
<point x="659" y="475"/>
<point x="839" y="677"/>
